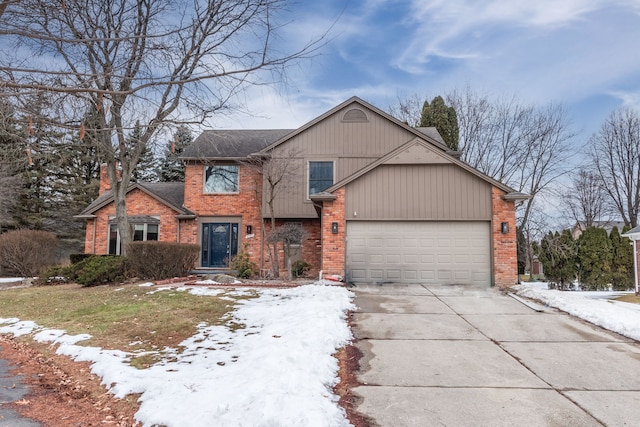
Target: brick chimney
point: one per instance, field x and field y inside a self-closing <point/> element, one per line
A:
<point x="105" y="184"/>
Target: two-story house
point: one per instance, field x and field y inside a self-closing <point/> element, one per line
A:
<point x="380" y="202"/>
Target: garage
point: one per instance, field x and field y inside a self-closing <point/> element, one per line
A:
<point x="434" y="252"/>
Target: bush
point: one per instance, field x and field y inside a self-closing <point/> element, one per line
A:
<point x="161" y="260"/>
<point x="75" y="258"/>
<point x="27" y="252"/>
<point x="98" y="270"/>
<point x="300" y="268"/>
<point x="243" y="265"/>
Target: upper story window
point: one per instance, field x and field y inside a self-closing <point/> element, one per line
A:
<point x="221" y="179"/>
<point x="320" y="176"/>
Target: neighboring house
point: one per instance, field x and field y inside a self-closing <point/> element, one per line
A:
<point x="634" y="235"/>
<point x="380" y="201"/>
<point x="580" y="226"/>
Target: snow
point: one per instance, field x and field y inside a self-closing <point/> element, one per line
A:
<point x="278" y="370"/>
<point x="11" y="279"/>
<point x="594" y="307"/>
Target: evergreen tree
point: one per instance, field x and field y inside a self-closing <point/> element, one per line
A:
<point x="622" y="261"/>
<point x="443" y="118"/>
<point x="594" y="259"/>
<point x="75" y="179"/>
<point x="11" y="163"/>
<point x="145" y="170"/>
<point x="557" y="253"/>
<point x="171" y="168"/>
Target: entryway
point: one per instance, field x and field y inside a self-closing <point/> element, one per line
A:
<point x="219" y="243"/>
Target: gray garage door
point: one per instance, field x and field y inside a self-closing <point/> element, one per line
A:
<point x="434" y="252"/>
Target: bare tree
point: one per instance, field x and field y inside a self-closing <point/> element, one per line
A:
<point x="615" y="153"/>
<point x="157" y="61"/>
<point x="408" y="109"/>
<point x="279" y="171"/>
<point x="586" y="198"/>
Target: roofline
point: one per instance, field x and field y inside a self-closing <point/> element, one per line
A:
<point x="403" y="147"/>
<point x="132" y="187"/>
<point x="323" y="196"/>
<point x="87" y="216"/>
<point x="223" y="159"/>
<point x="365" y="104"/>
<point x="515" y="196"/>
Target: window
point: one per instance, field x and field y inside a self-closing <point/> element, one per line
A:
<point x="320" y="176"/>
<point x="221" y="179"/>
<point x="140" y="232"/>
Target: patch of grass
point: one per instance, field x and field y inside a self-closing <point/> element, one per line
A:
<point x="634" y="299"/>
<point x="128" y="318"/>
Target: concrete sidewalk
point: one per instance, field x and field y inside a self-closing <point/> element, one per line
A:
<point x="461" y="356"/>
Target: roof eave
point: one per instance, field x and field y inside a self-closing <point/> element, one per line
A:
<point x="84" y="216"/>
<point x="323" y="196"/>
<point x="515" y="196"/>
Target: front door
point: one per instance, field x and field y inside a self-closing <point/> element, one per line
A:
<point x="219" y="243"/>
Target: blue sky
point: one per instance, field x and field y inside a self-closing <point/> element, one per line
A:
<point x="582" y="53"/>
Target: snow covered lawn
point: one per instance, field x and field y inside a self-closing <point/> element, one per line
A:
<point x="594" y="307"/>
<point x="276" y="370"/>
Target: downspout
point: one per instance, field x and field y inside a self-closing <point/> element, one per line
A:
<point x="93" y="240"/>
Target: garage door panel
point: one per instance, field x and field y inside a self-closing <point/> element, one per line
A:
<point x="438" y="252"/>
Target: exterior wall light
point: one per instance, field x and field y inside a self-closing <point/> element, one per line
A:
<point x="334" y="228"/>
<point x="249" y="229"/>
<point x="504" y="227"/>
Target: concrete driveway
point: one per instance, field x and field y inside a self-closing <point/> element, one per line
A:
<point x="461" y="356"/>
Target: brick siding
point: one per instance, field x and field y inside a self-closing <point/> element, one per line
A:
<point x="138" y="203"/>
<point x="505" y="256"/>
<point x="333" y="245"/>
<point x="245" y="204"/>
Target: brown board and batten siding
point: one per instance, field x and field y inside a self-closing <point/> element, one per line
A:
<point x="351" y="145"/>
<point x="419" y="192"/>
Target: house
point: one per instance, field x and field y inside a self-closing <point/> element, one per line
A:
<point x="580" y="226"/>
<point x="380" y="202"/>
<point x="634" y="235"/>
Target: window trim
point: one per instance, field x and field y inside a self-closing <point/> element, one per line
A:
<point x="204" y="179"/>
<point x="308" y="174"/>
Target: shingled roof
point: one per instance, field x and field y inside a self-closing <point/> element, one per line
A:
<point x="231" y="144"/>
<point x="169" y="193"/>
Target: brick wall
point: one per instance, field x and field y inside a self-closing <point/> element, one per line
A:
<point x="311" y="246"/>
<point x="505" y="258"/>
<point x="138" y="203"/>
<point x="333" y="245"/>
<point x="244" y="204"/>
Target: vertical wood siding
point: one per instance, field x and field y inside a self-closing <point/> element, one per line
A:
<point x="429" y="192"/>
<point x="351" y="146"/>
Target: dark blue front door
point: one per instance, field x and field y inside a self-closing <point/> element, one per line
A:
<point x="219" y="243"/>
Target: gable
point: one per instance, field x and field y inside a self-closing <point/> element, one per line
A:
<point x="418" y="153"/>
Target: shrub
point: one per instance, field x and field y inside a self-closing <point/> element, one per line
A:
<point x="243" y="265"/>
<point x="75" y="258"/>
<point x="300" y="268"/>
<point x="97" y="270"/>
<point x="27" y="252"/>
<point x="161" y="260"/>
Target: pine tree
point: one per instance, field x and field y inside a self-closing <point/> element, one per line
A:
<point x="557" y="253"/>
<point x="11" y="163"/>
<point x="595" y="259"/>
<point x="443" y="118"/>
<point x="622" y="261"/>
<point x="146" y="168"/>
<point x="171" y="168"/>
